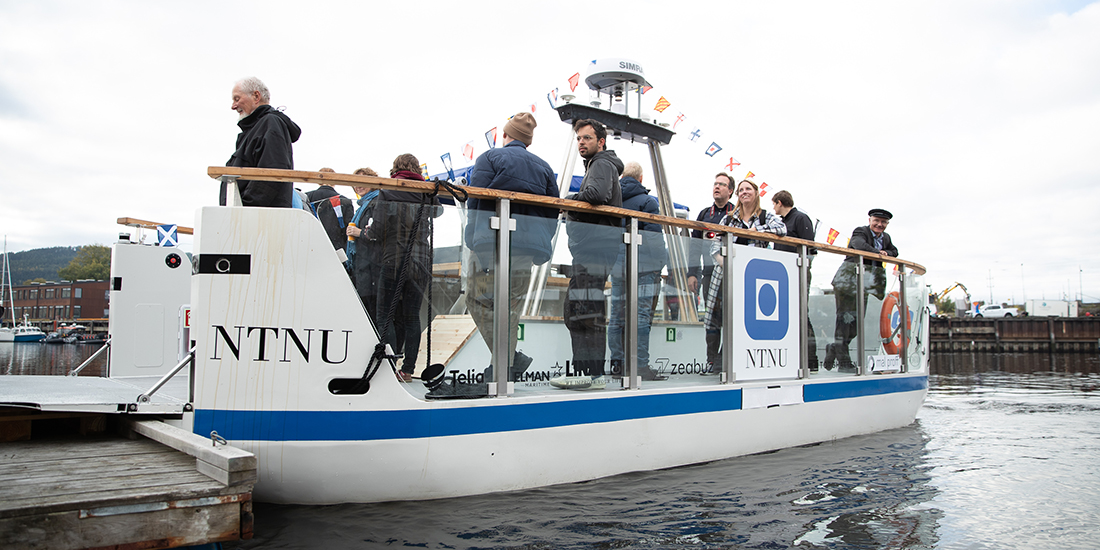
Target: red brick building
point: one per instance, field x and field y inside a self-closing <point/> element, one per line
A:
<point x="53" y="303"/>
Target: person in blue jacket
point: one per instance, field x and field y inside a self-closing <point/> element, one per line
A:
<point x="509" y="168"/>
<point x="652" y="258"/>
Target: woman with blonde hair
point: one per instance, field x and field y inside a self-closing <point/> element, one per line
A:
<point x="747" y="214"/>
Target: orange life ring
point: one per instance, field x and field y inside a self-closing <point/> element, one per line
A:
<point x="885" y="329"/>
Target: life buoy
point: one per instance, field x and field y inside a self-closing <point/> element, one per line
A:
<point x="890" y="343"/>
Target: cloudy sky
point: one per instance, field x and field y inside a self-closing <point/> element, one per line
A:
<point x="977" y="123"/>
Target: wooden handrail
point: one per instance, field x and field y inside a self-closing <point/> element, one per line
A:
<point x="134" y="222"/>
<point x="374" y="182"/>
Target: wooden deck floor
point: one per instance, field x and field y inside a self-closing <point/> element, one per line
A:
<point x="89" y="492"/>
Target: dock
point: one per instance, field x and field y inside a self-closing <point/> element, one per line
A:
<point x="1016" y="334"/>
<point x="93" y="480"/>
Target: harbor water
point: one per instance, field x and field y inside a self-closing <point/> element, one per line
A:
<point x="1005" y="453"/>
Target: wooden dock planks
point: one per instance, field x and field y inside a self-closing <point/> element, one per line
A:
<point x="89" y="492"/>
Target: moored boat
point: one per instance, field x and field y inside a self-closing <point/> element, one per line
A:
<point x="287" y="361"/>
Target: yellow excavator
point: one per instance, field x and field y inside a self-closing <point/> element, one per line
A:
<point x="940" y="295"/>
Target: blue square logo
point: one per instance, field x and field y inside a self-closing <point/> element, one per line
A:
<point x="767" y="300"/>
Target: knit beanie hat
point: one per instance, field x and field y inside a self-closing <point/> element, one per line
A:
<point x="521" y="127"/>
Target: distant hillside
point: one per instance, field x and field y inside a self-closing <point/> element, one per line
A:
<point x="39" y="263"/>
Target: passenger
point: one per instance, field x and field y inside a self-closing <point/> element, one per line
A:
<point x="799" y="226"/>
<point x="869" y="238"/>
<point x="398" y="250"/>
<point x="700" y="262"/>
<point x="334" y="210"/>
<point x="362" y="258"/>
<point x="747" y="214"/>
<point x="509" y="168"/>
<point x="593" y="240"/>
<point x="652" y="258"/>
<point x="323" y="191"/>
<point x="264" y="142"/>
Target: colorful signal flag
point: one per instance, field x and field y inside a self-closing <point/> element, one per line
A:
<point x="833" y="234"/>
<point x="491" y="137"/>
<point x="661" y="105"/>
<point x="713" y="149"/>
<point x="733" y="162"/>
<point x="574" y="81"/>
<point x="468" y="150"/>
<point x="446" y="158"/>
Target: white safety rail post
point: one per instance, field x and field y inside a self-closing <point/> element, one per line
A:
<point x="903" y="317"/>
<point x="728" y="253"/>
<point x="860" y="306"/>
<point x="803" y="311"/>
<point x="630" y="336"/>
<point x="502" y="353"/>
<point x="232" y="192"/>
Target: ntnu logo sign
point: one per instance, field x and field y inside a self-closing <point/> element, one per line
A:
<point x="279" y="343"/>
<point x="767" y="300"/>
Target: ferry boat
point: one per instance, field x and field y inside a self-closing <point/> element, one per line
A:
<point x="22" y="332"/>
<point x="285" y="360"/>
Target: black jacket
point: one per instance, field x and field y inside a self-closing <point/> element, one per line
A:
<point x="700" y="263"/>
<point x="264" y="142"/>
<point x="799" y="226"/>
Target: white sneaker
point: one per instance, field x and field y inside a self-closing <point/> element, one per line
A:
<point x="572" y="382"/>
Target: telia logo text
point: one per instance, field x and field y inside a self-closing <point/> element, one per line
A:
<point x="767" y="295"/>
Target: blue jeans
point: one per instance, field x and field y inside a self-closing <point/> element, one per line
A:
<point x="649" y="285"/>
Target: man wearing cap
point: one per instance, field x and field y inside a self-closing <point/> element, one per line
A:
<point x="264" y="142"/>
<point x="509" y="168"/>
<point x="869" y="238"/>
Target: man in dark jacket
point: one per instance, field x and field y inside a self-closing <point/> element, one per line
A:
<point x="700" y="263"/>
<point x="652" y="257"/>
<point x="799" y="226"/>
<point x="509" y="168"/>
<point x="264" y="142"/>
<point x="869" y="238"/>
<point x="594" y="243"/>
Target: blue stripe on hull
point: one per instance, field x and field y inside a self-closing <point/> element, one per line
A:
<point x="861" y="388"/>
<point x="420" y="423"/>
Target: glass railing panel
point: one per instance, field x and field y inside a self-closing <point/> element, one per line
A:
<point x="651" y="262"/>
<point x="395" y="267"/>
<point x="881" y="287"/>
<point x="821" y="310"/>
<point x="679" y="341"/>
<point x="916" y="299"/>
<point x="841" y="351"/>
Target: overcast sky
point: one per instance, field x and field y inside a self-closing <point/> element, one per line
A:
<point x="977" y="123"/>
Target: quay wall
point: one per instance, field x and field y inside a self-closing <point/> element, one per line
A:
<point x="1016" y="334"/>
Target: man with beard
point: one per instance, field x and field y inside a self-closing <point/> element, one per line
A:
<point x="264" y="142"/>
<point x="594" y="244"/>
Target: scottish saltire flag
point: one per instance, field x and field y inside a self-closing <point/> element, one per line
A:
<point x="573" y="81"/>
<point x="696" y="133"/>
<point x="661" y="105"/>
<point x="679" y="119"/>
<point x="335" y="202"/>
<point x="833" y="234"/>
<point x="733" y="162"/>
<point x="468" y="150"/>
<point x="446" y="158"/>
<point x="713" y="149"/>
<point x="167" y="235"/>
<point x="491" y="137"/>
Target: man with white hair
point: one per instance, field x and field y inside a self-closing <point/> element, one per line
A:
<point x="264" y="142"/>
